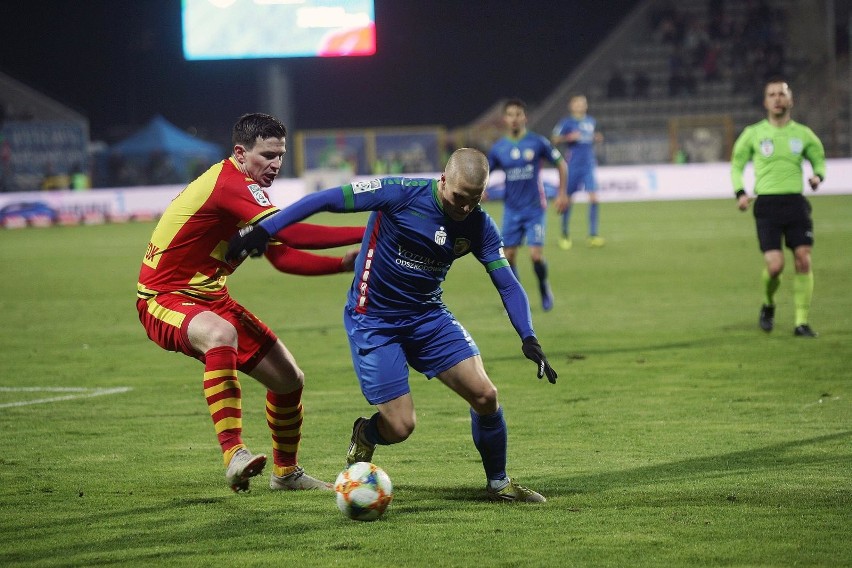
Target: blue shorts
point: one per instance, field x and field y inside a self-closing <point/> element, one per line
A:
<point x="526" y="224"/>
<point x="581" y="178"/>
<point x="382" y="350"/>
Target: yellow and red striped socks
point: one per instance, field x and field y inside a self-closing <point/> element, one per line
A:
<point x="224" y="398"/>
<point x="284" y="417"/>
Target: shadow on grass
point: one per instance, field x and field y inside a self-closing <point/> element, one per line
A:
<point x="143" y="533"/>
<point x="144" y="530"/>
<point x="767" y="458"/>
<point x="422" y="499"/>
<point x="568" y="356"/>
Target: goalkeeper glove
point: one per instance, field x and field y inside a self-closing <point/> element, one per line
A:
<point x="532" y="351"/>
<point x="251" y="240"/>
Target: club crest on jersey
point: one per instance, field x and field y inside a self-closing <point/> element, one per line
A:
<point x="366" y="186"/>
<point x="767" y="148"/>
<point x="440" y="236"/>
<point x="259" y="195"/>
<point x="796" y="145"/>
<point x="461" y="246"/>
<point x="529" y="154"/>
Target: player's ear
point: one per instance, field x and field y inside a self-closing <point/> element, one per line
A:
<point x="240" y="153"/>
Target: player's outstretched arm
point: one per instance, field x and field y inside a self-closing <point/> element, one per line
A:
<point x="253" y="239"/>
<point x="518" y="307"/>
<point x="514" y="300"/>
<point x="294" y="261"/>
<point x="311" y="237"/>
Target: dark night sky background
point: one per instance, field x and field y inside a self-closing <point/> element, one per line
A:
<point x="119" y="62"/>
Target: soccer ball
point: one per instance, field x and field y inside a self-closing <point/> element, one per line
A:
<point x="363" y="491"/>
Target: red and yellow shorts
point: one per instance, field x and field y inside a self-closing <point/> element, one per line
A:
<point x="166" y="319"/>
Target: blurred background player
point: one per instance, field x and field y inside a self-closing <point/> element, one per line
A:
<point x="519" y="154"/>
<point x="185" y="306"/>
<point x="778" y="145"/>
<point x="577" y="133"/>
<point x="395" y="316"/>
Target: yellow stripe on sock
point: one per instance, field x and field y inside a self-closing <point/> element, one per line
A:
<point x="230" y="423"/>
<point x="287" y="433"/>
<point x="223" y="386"/>
<point x="284" y="422"/>
<point x="218" y="373"/>
<point x="282" y="470"/>
<point x="226" y="403"/>
<point x="289" y="448"/>
<point x="230" y="453"/>
<point x="281" y="409"/>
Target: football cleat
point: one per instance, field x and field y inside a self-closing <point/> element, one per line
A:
<point x="514" y="493"/>
<point x="595" y="241"/>
<point x="565" y="243"/>
<point x="359" y="449"/>
<point x="298" y="480"/>
<point x="244" y="465"/>
<point x="767" y="317"/>
<point x="804" y="330"/>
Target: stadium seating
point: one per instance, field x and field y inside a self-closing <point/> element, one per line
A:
<point x="751" y="41"/>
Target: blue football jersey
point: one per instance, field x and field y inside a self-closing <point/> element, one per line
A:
<point x="410" y="244"/>
<point x="581" y="154"/>
<point x="520" y="159"/>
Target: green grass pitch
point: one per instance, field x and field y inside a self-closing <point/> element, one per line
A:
<point x="679" y="434"/>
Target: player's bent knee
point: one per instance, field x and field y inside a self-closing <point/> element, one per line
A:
<point x="399" y="430"/>
<point x="286" y="383"/>
<point x="486" y="401"/>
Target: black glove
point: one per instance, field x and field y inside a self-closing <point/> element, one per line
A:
<point x="532" y="351"/>
<point x="250" y="241"/>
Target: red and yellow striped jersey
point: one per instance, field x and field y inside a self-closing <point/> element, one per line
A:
<point x="187" y="249"/>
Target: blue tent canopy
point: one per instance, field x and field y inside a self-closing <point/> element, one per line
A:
<point x="162" y="153"/>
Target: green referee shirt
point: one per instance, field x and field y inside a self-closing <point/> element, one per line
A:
<point x="777" y="154"/>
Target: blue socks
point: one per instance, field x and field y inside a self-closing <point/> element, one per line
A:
<point x="490" y="437"/>
<point x="593" y="219"/>
<point x="594" y="216"/>
<point x="566" y="217"/>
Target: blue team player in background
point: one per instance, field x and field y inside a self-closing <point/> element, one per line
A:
<point x="394" y="315"/>
<point x="519" y="155"/>
<point x="577" y="132"/>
